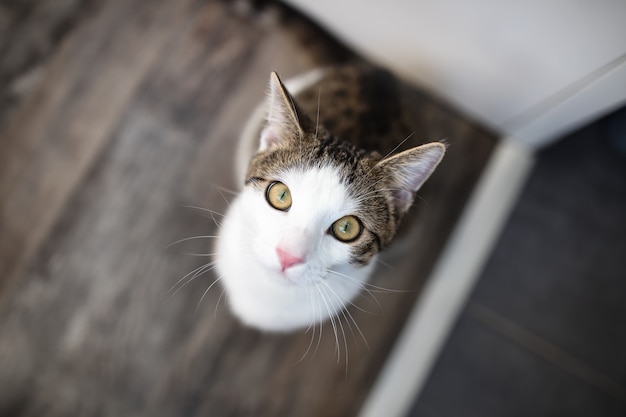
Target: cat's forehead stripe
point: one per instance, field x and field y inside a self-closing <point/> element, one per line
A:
<point x="342" y="153"/>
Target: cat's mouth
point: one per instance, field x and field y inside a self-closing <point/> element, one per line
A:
<point x="298" y="276"/>
<point x="290" y="277"/>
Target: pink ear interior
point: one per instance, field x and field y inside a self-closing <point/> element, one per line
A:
<point x="270" y="136"/>
<point x="409" y="170"/>
<point x="403" y="198"/>
<point x="281" y="120"/>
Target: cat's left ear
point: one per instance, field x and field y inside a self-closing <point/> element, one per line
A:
<point x="283" y="121"/>
<point x="408" y="171"/>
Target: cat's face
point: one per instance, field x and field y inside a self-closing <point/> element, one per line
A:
<point x="314" y="213"/>
<point x="310" y="212"/>
<point x="304" y="222"/>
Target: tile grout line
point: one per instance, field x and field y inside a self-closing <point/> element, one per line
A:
<point x="544" y="349"/>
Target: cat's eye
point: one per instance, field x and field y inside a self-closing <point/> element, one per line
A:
<point x="278" y="196"/>
<point x="346" y="229"/>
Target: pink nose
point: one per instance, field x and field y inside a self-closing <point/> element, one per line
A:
<point x="287" y="260"/>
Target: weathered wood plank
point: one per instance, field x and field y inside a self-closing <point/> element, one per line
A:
<point x="30" y="31"/>
<point x="88" y="328"/>
<point x="60" y="129"/>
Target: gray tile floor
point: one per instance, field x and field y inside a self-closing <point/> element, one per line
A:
<point x="544" y="332"/>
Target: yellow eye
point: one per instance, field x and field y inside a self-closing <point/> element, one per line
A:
<point x="347" y="229"/>
<point x="278" y="196"/>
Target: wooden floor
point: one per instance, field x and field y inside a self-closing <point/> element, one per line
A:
<point x="116" y="114"/>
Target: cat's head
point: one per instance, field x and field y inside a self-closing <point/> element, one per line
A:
<point x="318" y="202"/>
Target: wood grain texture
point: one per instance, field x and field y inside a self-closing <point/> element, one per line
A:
<point x="137" y="114"/>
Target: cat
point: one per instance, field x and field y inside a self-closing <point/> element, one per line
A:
<point x="324" y="193"/>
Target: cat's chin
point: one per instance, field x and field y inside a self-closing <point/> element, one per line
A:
<point x="270" y="301"/>
<point x="274" y="300"/>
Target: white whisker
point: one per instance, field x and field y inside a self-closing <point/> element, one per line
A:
<point x="224" y="197"/>
<point x="205" y="293"/>
<point x="343" y="335"/>
<point x="347" y="312"/>
<point x="190" y="238"/>
<point x="207" y="265"/>
<point x="359" y="283"/>
<point x="211" y="213"/>
<point x="385" y="264"/>
<point x="364" y="288"/>
<point x="398" y="145"/>
<point x="321" y="322"/>
<point x="317" y="119"/>
<point x="332" y="322"/>
<point x="219" y="299"/>
<point x="199" y="254"/>
<point x="203" y="209"/>
<point x="198" y="272"/>
<point x="361" y="197"/>
<point x="224" y="189"/>
<point x="311" y="326"/>
<point x="367" y="284"/>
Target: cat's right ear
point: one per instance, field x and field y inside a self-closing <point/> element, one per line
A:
<point x="282" y="119"/>
<point x="408" y="170"/>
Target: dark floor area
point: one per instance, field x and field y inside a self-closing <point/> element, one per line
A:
<point x="544" y="332"/>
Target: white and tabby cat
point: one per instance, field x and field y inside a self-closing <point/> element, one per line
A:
<point x="320" y="200"/>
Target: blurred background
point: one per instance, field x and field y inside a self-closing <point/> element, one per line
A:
<point x="533" y="70"/>
<point x="116" y="116"/>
